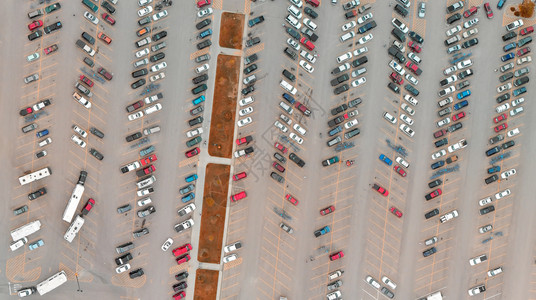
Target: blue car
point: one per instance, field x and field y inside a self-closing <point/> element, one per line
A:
<point x="464" y="94"/>
<point x="508" y="56"/>
<point x="509" y="46"/>
<point x="42" y="133"/>
<point x="289" y="98"/>
<point x="519" y="91"/>
<point x="36" y="245"/>
<point x="191" y="178"/>
<point x="335" y="130"/>
<point x="198" y="100"/>
<point x="501" y="4"/>
<point x="322" y="231"/>
<point x="494" y="169"/>
<point x="205" y="33"/>
<point x="461" y="105"/>
<point x="188" y="198"/>
<point x="438" y="164"/>
<point x="386" y="159"/>
<point x="147" y="150"/>
<point x="367" y="27"/>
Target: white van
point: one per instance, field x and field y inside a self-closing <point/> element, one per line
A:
<point x="287" y="86"/>
<point x="16" y="245"/>
<point x="286" y="107"/>
<point x="295" y="11"/>
<point x="312" y="25"/>
<point x="293" y="21"/>
<point x="151" y="130"/>
<point x="347" y="36"/>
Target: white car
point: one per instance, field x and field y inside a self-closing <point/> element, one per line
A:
<point x="406" y="119"/>
<point x="194" y="132"/>
<point x="310" y="24"/>
<point x="372" y="282"/>
<point x="246" y="101"/>
<point x="245" y="111"/>
<point x="293" y="21"/>
<point x="504" y="87"/>
<point x="459" y="145"/>
<point x="229" y="258"/>
<point x="502" y="108"/>
<point x="159" y="66"/>
<point x="298" y="3"/>
<point x="145" y="11"/>
<point x="408" y="131"/>
<point x="122" y="268"/>
<point x="145" y="191"/>
<point x="160" y="15"/>
<point x="281" y="127"/>
<point x="205" y="12"/>
<point x="464" y="64"/>
<point x="346" y="56"/>
<point x="151" y="109"/>
<point x="144" y="201"/>
<point x="202" y="68"/>
<point x="285" y="119"/>
<point x="485" y="201"/>
<point x="186" y="209"/>
<point x="91" y="18"/>
<point x="411" y="100"/>
<point x="167" y="244"/>
<point x="244" y="122"/>
<point x="348" y="26"/>
<point x="287" y="86"/>
<point x="359" y="81"/>
<point x="470" y="32"/>
<point x="514" y="25"/>
<point x="364" y="18"/>
<point x="45" y="142"/>
<point x="308" y="56"/>
<point x="477" y="260"/>
<point x="516" y="111"/>
<point x="454" y="30"/>
<point x="142" y="52"/>
<point x="523" y="60"/>
<point x="80" y="131"/>
<point x="295" y="137"/>
<point x="476" y="290"/>
<point x="131" y="166"/>
<point x="485" y="228"/>
<point x="400" y="25"/>
<point x="78" y="141"/>
<point x="443" y="122"/>
<point x="293" y="44"/>
<point x="300" y="129"/>
<point x="360" y="51"/>
<point x="502" y="194"/>
<point x="144" y="2"/>
<point x="408" y="109"/>
<point x="157" y="77"/>
<point x="389" y="118"/>
<point x="306" y="66"/>
<point x="135" y="116"/>
<point x="402" y="162"/>
<point x="351" y="123"/>
<point x="396" y="67"/>
<point x="448" y="80"/>
<point x="448" y="216"/>
<point x="470" y="23"/>
<point x="506" y="174"/>
<point x="449" y="70"/>
<point x="454" y="49"/>
<point x="414" y="58"/>
<point x="32" y="57"/>
<point x="412" y="79"/>
<point x="365" y="39"/>
<point x="400" y="46"/>
<point x="494" y="272"/>
<point x="359" y="72"/>
<point x="438" y="154"/>
<point x="515" y="102"/>
<point x="513" y="132"/>
<point x="389" y="282"/>
<point x="232" y="247"/>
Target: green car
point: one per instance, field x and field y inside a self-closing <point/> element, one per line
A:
<point x="52" y="7"/>
<point x="36" y="245"/>
<point x="330" y="161"/>
<point x="193" y="141"/>
<point x="20" y="210"/>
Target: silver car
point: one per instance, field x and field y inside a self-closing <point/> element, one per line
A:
<point x="31" y="78"/>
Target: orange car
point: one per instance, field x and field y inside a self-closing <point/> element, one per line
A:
<point x="104" y="37"/>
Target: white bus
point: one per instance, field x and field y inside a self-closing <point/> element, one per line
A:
<point x="68" y="214"/>
<point x="25" y="230"/>
<point x="74" y="228"/>
<point x="39" y="174"/>
<point x="51" y="283"/>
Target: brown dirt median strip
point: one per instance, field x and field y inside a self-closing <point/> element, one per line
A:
<point x="206" y="284"/>
<point x="231" y="29"/>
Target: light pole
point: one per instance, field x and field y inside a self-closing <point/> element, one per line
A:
<point x="79" y="289"/>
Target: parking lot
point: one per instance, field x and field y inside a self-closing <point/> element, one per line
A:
<point x="281" y="223"/>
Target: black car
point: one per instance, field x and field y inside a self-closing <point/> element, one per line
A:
<point x="121" y="260"/>
<point x="195" y="121"/>
<point x="293" y="33"/>
<point x="398" y="34"/>
<point x="157" y="57"/>
<point x="250" y="59"/>
<point x="394" y="52"/>
<point x="199" y="89"/>
<point x="310" y="12"/>
<point x="36" y="34"/>
<point x="255" y="21"/>
<point x="144" y="21"/>
<point x="506" y="76"/>
<point x="470" y="43"/>
<point x="96" y="154"/>
<point x="138" y="83"/>
<point x="140" y="72"/>
<point x="82" y="177"/>
<point x="416" y="37"/>
<point x="360" y="61"/>
<point x="181" y="276"/>
<point x="521" y="81"/>
<point x="96" y="132"/>
<point x="429" y="252"/>
<point x="522" y="42"/>
<point x="465" y="73"/>
<point x="399" y="9"/>
<point x="204" y="44"/>
<point x="136" y="273"/>
<point x="180" y="286"/>
<point x="412" y="90"/>
<point x="496" y="139"/>
<point x="508" y="144"/>
<point x="133" y="136"/>
<point x="508" y="36"/>
<point x="354" y="102"/>
<point x="280" y="157"/>
<point x="290" y="53"/>
<point x="441" y="142"/>
<point x="124" y="208"/>
<point x="433" y="184"/>
<point x="437" y="164"/>
<point x="253" y="41"/>
<point x="88" y="38"/>
<point x="145" y="212"/>
<point x="288" y="75"/>
<point x="491" y="179"/>
<point x="431" y="213"/>
<point x="454" y="127"/>
<point x="200" y="79"/>
<point x="53" y="27"/>
<point x="340" y="79"/>
<point x="88" y="61"/>
<point x="250" y="69"/>
<point x="248" y="90"/>
<point x="108" y="7"/>
<point x="341" y="89"/>
<point x="277" y="177"/>
<point x="393" y="87"/>
<point x="368" y="26"/>
<point x="493" y="150"/>
<point x="352" y="133"/>
<point x="462" y="85"/>
<point x="503" y="98"/>
<point x="454" y="18"/>
<point x="162" y="34"/>
<point x="336" y="121"/>
<point x="295" y="158"/>
<point x="203" y="23"/>
<point x="339" y="109"/>
<point x="487" y="210"/>
<point x="40" y="192"/>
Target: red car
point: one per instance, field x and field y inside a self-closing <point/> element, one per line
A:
<point x="179" y="295"/>
<point x="526" y="30"/>
<point x="414" y="68"/>
<point x="104" y="37"/>
<point x="239" y="176"/>
<point x="400" y="171"/>
<point x="414" y="47"/>
<point x="440" y="133"/>
<point x="183" y="259"/>
<point x="380" y="190"/>
<point x="148" y="170"/>
<point x="280" y="148"/>
<point x="336" y="255"/>
<point x="489" y="13"/>
<point x="238" y="196"/>
<point x="203" y="3"/>
<point x="327" y="210"/>
<point x="136" y="105"/>
<point x="396" y="78"/>
<point x="471" y="11"/>
<point x="50" y="49"/>
<point x="523" y="51"/>
<point x="500" y="118"/>
<point x="307" y="43"/>
<point x="88" y="206"/>
<point x="108" y="18"/>
<point x="395" y="211"/>
<point x="35" y="24"/>
<point x="149" y="159"/>
<point x="278" y="167"/>
<point x="182" y="249"/>
<point x="433" y="194"/>
<point x="105" y="73"/>
<point x="27" y="110"/>
<point x="503" y="126"/>
<point x="193" y="152"/>
<point x="291" y="199"/>
<point x="86" y="80"/>
<point x="302" y="108"/>
<point x="458" y="116"/>
<point x="244" y="140"/>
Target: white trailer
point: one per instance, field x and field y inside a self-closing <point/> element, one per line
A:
<point x="52" y="282"/>
<point x="25" y="230"/>
<point x="74" y="229"/>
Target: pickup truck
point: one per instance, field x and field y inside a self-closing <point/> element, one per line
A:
<point x="85" y="47"/>
<point x="351" y="14"/>
<point x="350" y="5"/>
<point x="243" y="152"/>
<point x="459" y="145"/>
<point x="449" y="216"/>
<point x="256" y="21"/>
